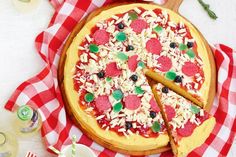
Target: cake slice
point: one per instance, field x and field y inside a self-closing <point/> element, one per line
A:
<point x="169" y="84"/>
<point x="188" y="125"/>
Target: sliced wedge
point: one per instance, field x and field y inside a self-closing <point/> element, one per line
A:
<point x="188" y="125"/>
<point x="171" y="85"/>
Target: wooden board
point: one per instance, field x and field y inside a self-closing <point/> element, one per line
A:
<point x="173" y="5"/>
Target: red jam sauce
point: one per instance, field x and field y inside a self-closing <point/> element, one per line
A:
<point x="145" y="132"/>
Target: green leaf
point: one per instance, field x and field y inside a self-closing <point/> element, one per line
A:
<point x="117" y="94"/>
<point x="141" y="64"/>
<point x="208" y="10"/>
<point x="122" y="56"/>
<point x="89" y="97"/>
<point x="212" y="14"/>
<point x="93" y="48"/>
<point x="121" y="36"/>
<point x="195" y="109"/>
<point x="170" y="75"/>
<point x="158" y="29"/>
<point x="156" y="127"/>
<point x="117" y="107"/>
<point x="182" y="47"/>
<point x="108" y="79"/>
<point x="138" y="90"/>
<point x="190" y="53"/>
<point x="133" y="15"/>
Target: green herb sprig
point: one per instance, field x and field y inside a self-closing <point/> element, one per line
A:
<point x="208" y="10"/>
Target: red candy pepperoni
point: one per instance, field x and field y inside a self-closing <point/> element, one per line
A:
<point x="154" y="105"/>
<point x="101" y="37"/>
<point x="165" y="63"/>
<point x="138" y="25"/>
<point x="187" y="130"/>
<point x="153" y="45"/>
<point x="190" y="69"/>
<point x="102" y="103"/>
<point x="112" y="70"/>
<point x="132" y="102"/>
<point x="132" y="62"/>
<point x="170" y="112"/>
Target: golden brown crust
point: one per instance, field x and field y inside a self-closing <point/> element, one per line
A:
<point x="198" y="137"/>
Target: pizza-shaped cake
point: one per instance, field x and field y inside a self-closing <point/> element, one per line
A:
<point x="106" y="88"/>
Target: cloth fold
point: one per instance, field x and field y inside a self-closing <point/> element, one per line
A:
<point x="42" y="91"/>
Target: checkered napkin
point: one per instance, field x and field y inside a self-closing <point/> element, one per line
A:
<point x="43" y="92"/>
<point x="30" y="154"/>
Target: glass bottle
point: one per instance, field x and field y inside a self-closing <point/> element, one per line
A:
<point x="28" y="121"/>
<point x="25" y="5"/>
<point x="8" y="144"/>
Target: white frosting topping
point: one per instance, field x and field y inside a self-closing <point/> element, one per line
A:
<point x="92" y="63"/>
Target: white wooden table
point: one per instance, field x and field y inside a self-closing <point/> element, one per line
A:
<point x="19" y="59"/>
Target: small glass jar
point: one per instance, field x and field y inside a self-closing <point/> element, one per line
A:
<point x="25" y="6"/>
<point x="8" y="144"/>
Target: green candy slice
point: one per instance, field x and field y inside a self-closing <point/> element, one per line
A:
<point x="108" y="79"/>
<point x="133" y="15"/>
<point x="195" y="109"/>
<point x="138" y="90"/>
<point x="121" y="36"/>
<point x="117" y="107"/>
<point x="93" y="48"/>
<point x="170" y="75"/>
<point x="182" y="47"/>
<point x="89" y="97"/>
<point x="117" y="94"/>
<point x="158" y="29"/>
<point x="156" y="127"/>
<point x="190" y="53"/>
<point x="122" y="56"/>
<point x="141" y="64"/>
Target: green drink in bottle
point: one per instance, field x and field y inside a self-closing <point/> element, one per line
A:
<point x="28" y="120"/>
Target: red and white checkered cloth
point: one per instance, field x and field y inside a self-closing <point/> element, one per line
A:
<point x="43" y="92"/>
<point x="30" y="154"/>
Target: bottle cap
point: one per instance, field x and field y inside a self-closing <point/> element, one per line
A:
<point x="25" y="113"/>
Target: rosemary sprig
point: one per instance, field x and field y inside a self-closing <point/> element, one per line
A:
<point x="208" y="10"/>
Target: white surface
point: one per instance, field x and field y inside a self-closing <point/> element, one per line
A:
<point x="19" y="59"/>
<point x="81" y="150"/>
